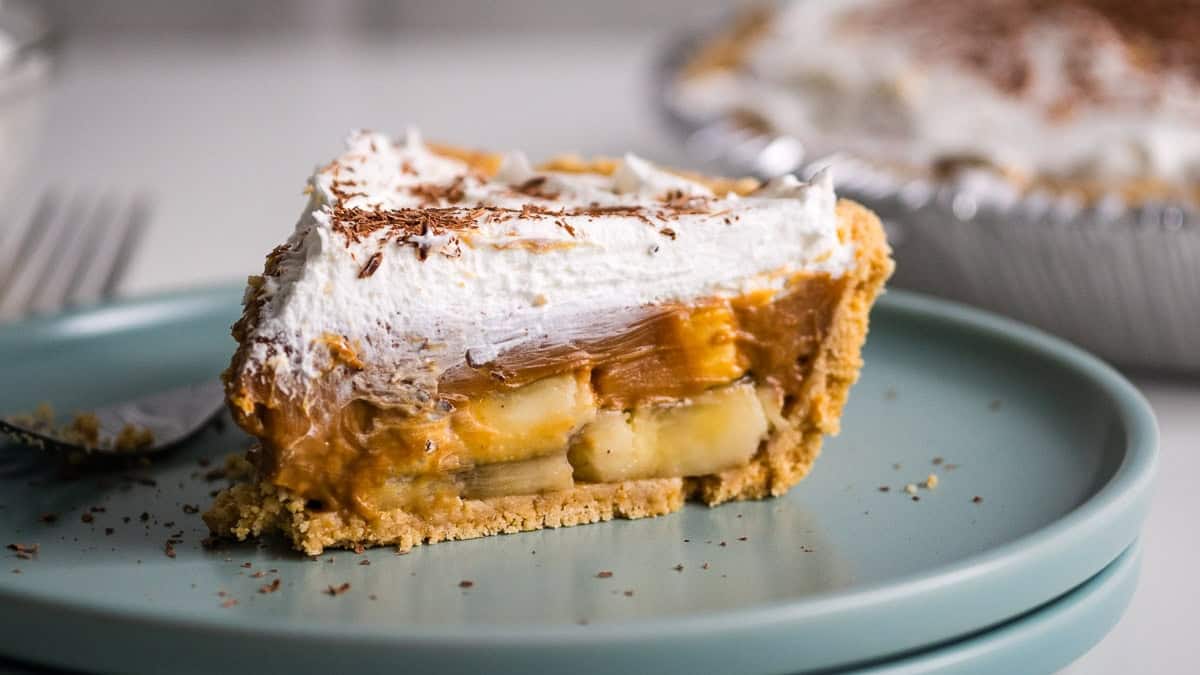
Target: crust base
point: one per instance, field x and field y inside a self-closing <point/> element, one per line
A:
<point x="254" y="508"/>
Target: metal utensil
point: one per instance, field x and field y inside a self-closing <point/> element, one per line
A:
<point x="150" y="424"/>
<point x="74" y="250"/>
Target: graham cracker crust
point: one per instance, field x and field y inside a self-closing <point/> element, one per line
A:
<point x="255" y="508"/>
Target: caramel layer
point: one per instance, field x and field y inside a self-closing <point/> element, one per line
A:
<point x="529" y="403"/>
<point x="674" y="352"/>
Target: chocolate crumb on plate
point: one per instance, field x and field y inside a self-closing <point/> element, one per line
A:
<point x="270" y="588"/>
<point x="48" y="518"/>
<point x="604" y="575"/>
<point x="465" y="583"/>
<point x="977" y="499"/>
<point x="338" y="590"/>
<point x="27" y="549"/>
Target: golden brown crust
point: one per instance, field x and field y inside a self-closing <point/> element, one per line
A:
<point x="252" y="509"/>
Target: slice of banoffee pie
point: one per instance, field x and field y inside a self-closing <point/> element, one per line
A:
<point x="455" y="344"/>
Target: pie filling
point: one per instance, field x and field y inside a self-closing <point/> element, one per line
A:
<point x="684" y="390"/>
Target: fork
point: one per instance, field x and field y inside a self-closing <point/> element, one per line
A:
<point x="73" y="250"/>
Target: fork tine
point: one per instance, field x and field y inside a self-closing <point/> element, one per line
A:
<point x="139" y="210"/>
<point x="35" y="229"/>
<point x="98" y="250"/>
<point x="34" y="257"/>
<point x="116" y="234"/>
<point x="69" y="256"/>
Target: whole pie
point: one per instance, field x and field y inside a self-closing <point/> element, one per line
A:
<point x="455" y="344"/>
<point x="1087" y="98"/>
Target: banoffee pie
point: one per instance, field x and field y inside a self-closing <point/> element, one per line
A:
<point x="455" y="344"/>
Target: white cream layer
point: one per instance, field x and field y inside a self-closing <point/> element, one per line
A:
<point x="874" y="94"/>
<point x="487" y="291"/>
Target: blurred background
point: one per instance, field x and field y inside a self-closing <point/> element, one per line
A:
<point x="186" y="132"/>
<point x="216" y="112"/>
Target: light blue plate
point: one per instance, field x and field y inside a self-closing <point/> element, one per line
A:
<point x="1040" y="642"/>
<point x="1060" y="448"/>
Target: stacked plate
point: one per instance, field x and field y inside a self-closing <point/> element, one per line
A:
<point x="1019" y="556"/>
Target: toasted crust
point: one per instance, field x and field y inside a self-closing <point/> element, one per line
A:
<point x="252" y="508"/>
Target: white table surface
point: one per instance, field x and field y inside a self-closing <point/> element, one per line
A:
<point x="221" y="135"/>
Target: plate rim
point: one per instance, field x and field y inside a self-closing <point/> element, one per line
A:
<point x="1123" y="496"/>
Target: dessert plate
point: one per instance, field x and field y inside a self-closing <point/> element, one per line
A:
<point x="1042" y="641"/>
<point x="1057" y="447"/>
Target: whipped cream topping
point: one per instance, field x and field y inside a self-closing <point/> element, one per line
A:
<point x="419" y="261"/>
<point x="1084" y="90"/>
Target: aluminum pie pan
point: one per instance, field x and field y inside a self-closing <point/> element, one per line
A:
<point x="1123" y="282"/>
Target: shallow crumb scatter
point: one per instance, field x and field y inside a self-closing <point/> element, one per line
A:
<point x="931" y="481"/>
<point x="915" y="498"/>
<point x="678" y="568"/>
<point x="338" y="590"/>
<point x="466" y="583"/>
<point x="977" y="499"/>
<point x="884" y="488"/>
<point x="271" y="587"/>
<point x="364" y="562"/>
<point x="743" y="538"/>
<point x="604" y="574"/>
<point x="911" y="488"/>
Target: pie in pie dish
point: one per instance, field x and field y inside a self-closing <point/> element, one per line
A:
<point x="1086" y="98"/>
<point x="456" y="344"/>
